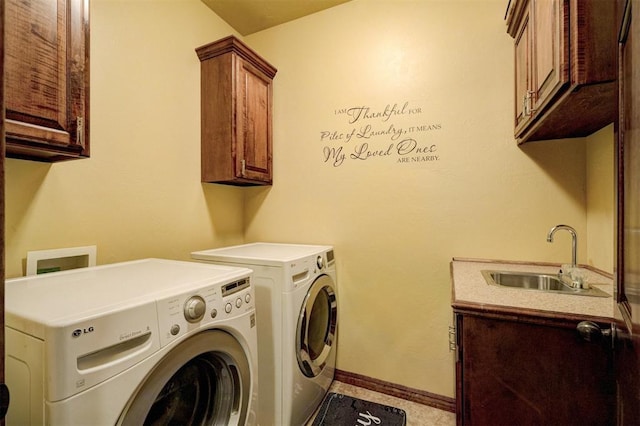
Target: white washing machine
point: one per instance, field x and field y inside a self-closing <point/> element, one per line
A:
<point x="144" y="342"/>
<point x="296" y="308"/>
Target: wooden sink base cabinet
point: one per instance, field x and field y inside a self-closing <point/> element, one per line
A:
<point x="516" y="366"/>
<point x="527" y="370"/>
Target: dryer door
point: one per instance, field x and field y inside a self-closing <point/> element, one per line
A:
<point x="203" y="381"/>
<point x="316" y="331"/>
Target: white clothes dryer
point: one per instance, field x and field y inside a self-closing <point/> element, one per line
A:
<point x="144" y="342"/>
<point x="296" y="309"/>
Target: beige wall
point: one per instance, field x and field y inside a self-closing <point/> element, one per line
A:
<point x="600" y="199"/>
<point x="395" y="225"/>
<point x="139" y="195"/>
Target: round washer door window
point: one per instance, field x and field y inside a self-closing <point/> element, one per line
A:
<point x="316" y="330"/>
<point x="203" y="381"/>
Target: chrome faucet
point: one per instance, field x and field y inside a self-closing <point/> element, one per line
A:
<point x="574" y="240"/>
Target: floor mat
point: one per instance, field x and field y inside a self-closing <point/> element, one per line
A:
<point x="341" y="410"/>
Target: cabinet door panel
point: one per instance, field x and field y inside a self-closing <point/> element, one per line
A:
<point x="38" y="73"/>
<point x="550" y="72"/>
<point x="255" y="126"/>
<point x="523" y="71"/>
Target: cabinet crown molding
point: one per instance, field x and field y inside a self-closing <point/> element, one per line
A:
<point x="231" y="44"/>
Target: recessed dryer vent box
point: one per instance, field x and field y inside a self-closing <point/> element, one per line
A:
<point x="43" y="261"/>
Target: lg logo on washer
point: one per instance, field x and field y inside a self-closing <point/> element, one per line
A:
<point x="79" y="332"/>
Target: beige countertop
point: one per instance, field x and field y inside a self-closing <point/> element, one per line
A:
<point x="471" y="289"/>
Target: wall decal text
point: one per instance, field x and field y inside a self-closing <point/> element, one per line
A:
<point x="391" y="133"/>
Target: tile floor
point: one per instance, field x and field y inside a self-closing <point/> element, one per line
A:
<point x="417" y="414"/>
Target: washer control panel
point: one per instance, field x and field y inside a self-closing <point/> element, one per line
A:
<point x="185" y="313"/>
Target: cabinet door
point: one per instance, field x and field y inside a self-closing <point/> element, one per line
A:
<point x="523" y="72"/>
<point x="521" y="373"/>
<point x="550" y="49"/>
<point x="541" y="53"/>
<point x="4" y="397"/>
<point x="254" y="125"/>
<point x="628" y="221"/>
<point x="46" y="65"/>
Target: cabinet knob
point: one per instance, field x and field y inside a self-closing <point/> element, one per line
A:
<point x="592" y="332"/>
<point x="4" y="400"/>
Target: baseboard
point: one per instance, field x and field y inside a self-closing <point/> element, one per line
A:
<point x="399" y="391"/>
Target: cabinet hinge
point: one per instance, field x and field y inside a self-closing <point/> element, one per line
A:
<point x="452" y="338"/>
<point x="527" y="104"/>
<point x="453" y="341"/>
<point x="80" y="131"/>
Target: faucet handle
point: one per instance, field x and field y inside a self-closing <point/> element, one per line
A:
<point x="575" y="277"/>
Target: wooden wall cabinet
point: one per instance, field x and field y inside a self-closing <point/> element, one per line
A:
<point x="47" y="79"/>
<point x="525" y="370"/>
<point x="236" y="108"/>
<point x="565" y="67"/>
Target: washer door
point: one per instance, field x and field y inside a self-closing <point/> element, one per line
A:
<point x="203" y="381"/>
<point x="316" y="330"/>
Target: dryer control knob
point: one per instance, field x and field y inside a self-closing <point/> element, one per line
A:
<point x="194" y="309"/>
<point x="320" y="262"/>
